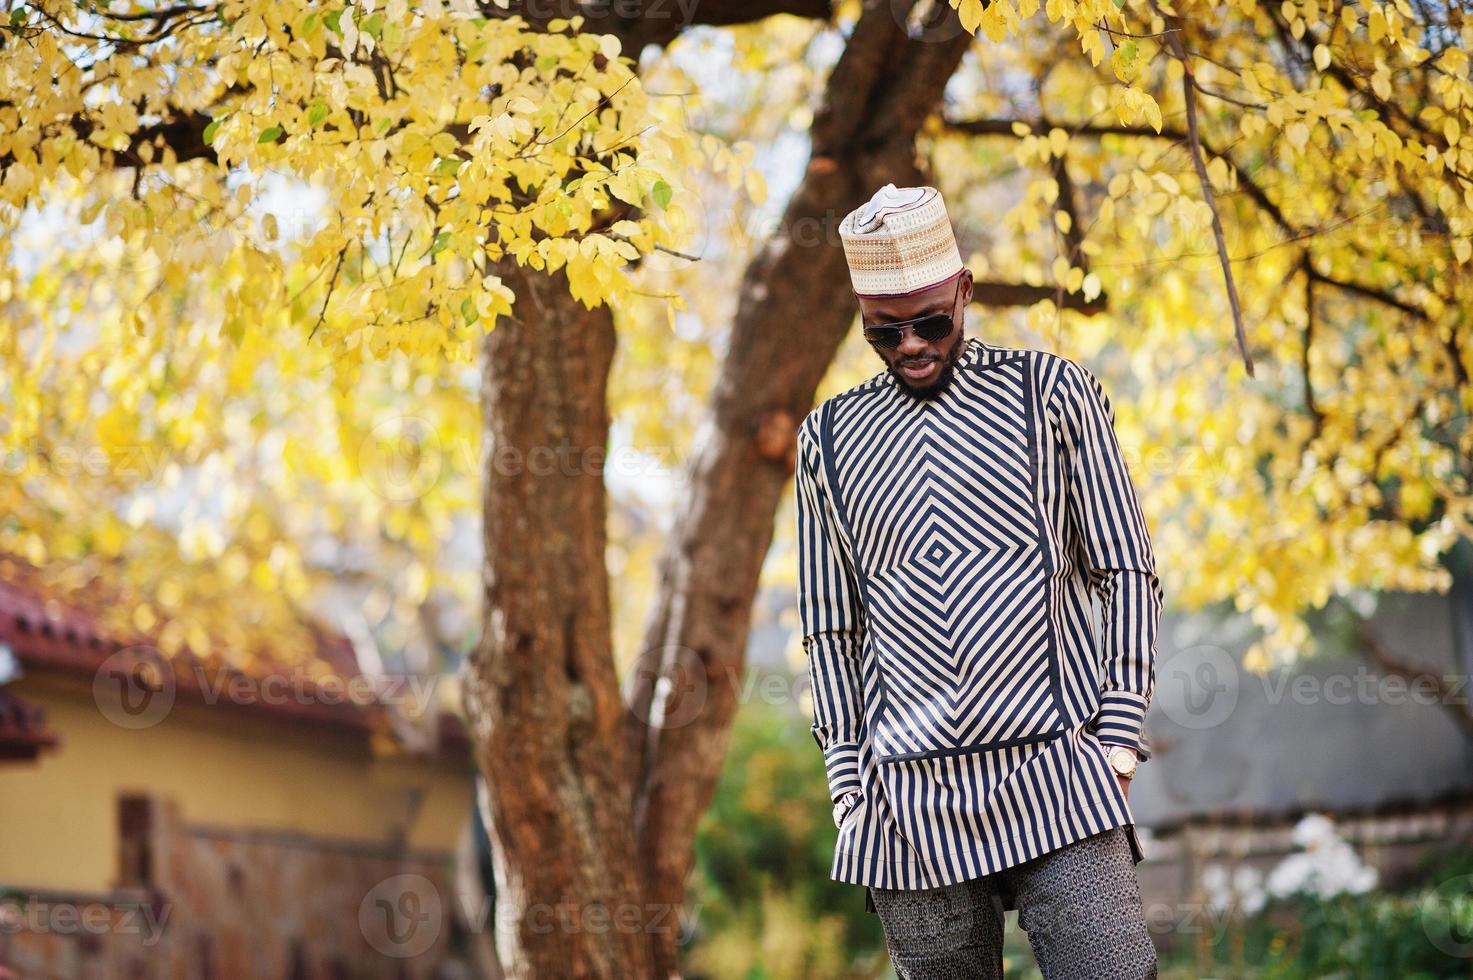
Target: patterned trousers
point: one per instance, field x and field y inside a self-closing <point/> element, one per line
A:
<point x="1080" y="906"/>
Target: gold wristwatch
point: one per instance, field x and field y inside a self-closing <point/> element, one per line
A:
<point x="1123" y="760"/>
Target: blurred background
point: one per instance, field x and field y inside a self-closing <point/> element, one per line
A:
<point x="396" y="534"/>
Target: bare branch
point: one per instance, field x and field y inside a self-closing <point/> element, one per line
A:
<point x="1194" y="141"/>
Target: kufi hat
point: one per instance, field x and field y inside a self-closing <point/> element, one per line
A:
<point x="899" y="242"/>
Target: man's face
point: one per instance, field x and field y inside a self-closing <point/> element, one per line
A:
<point x="921" y="369"/>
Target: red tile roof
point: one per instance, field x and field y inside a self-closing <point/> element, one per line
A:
<point x="48" y="636"/>
<point x="66" y="639"/>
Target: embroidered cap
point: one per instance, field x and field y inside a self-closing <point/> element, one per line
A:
<point x="899" y="242"/>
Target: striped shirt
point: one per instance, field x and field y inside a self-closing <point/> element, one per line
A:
<point x="948" y="550"/>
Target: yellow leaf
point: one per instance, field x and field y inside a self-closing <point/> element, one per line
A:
<point x="756" y="186"/>
<point x="970" y="13"/>
<point x="1058" y="141"/>
<point x="1091" y="287"/>
<point x="993" y="23"/>
<point x="1217" y="173"/>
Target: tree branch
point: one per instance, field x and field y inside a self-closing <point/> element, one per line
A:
<point x="640" y="22"/>
<point x="1194" y="141"/>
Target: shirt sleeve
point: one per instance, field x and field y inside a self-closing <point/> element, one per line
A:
<point x="1116" y="546"/>
<point x="833" y="623"/>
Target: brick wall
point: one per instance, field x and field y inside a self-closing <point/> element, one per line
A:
<point x="202" y="903"/>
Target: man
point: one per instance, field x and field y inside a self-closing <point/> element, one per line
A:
<point x="955" y="512"/>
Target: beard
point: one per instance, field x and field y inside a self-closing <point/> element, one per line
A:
<point x="943" y="380"/>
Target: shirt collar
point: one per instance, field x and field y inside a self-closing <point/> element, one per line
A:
<point x="972" y="354"/>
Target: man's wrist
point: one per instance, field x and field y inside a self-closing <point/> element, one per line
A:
<point x="1124" y="760"/>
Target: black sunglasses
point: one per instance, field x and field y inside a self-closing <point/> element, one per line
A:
<point x="930" y="328"/>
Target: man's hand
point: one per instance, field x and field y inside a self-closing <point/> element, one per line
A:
<point x="845" y="804"/>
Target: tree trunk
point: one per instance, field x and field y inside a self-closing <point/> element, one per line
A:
<point x="541" y="692"/>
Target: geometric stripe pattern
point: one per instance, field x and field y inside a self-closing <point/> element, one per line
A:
<point x="950" y="551"/>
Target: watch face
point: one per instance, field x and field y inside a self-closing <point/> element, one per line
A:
<point x="1122" y="761"/>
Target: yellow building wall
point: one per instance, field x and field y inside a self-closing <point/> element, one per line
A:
<point x="218" y="768"/>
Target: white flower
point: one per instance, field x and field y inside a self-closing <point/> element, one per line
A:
<point x="1215" y="883"/>
<point x="1327" y="867"/>
<point x="1313" y="829"/>
<point x="1290" y="875"/>
<point x="1243" y="890"/>
<point x="1247" y="879"/>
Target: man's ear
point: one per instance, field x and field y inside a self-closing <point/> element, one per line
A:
<point x="967" y="289"/>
